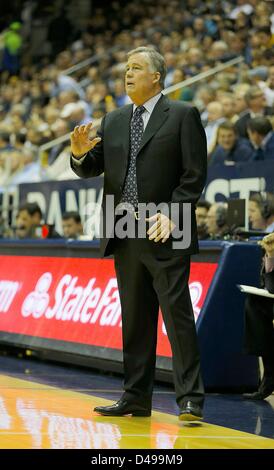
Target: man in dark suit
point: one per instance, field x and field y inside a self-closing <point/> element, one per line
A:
<point x="256" y="103"/>
<point x="259" y="330"/>
<point x="261" y="136"/>
<point x="153" y="151"/>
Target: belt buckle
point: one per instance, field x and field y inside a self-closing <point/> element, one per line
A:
<point x="136" y="215"/>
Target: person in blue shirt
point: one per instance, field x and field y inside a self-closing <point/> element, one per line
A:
<point x="230" y="147"/>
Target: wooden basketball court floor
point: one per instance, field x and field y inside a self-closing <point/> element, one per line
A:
<point x="48" y="406"/>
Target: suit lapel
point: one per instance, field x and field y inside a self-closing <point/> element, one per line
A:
<point x="157" y="119"/>
<point x="125" y="118"/>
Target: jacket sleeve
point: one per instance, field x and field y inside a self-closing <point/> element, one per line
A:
<point x="92" y="164"/>
<point x="194" y="159"/>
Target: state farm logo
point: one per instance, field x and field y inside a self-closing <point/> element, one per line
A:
<point x="84" y="304"/>
<point x="8" y="290"/>
<point x="196" y="290"/>
<point x="73" y="302"/>
<point x="36" y="302"/>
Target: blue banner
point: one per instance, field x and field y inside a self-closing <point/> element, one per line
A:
<point x="238" y="181"/>
<point x="57" y="197"/>
<point x="84" y="195"/>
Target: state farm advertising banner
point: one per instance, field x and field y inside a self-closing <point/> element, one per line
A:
<point x="75" y="299"/>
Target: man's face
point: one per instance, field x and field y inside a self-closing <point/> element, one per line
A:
<point x="201" y="213"/>
<point x="140" y="81"/>
<point x="240" y="103"/>
<point x="228" y="107"/>
<point x="226" y="138"/>
<point x="257" y="101"/>
<point x="256" y="220"/>
<point x="24" y="223"/>
<point x="71" y="229"/>
<point x="254" y="137"/>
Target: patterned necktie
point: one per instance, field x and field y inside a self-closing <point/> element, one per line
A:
<point x="130" y="191"/>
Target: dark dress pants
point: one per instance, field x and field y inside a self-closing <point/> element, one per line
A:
<point x="144" y="282"/>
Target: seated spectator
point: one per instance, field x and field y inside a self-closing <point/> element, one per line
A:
<point x="29" y="216"/>
<point x="230" y="148"/>
<point x="215" y="118"/>
<point x="75" y="114"/>
<point x="4" y="141"/>
<point x="261" y="135"/>
<point x="205" y="95"/>
<point x="268" y="87"/>
<point x="241" y="107"/>
<point x="261" y="212"/>
<point x="228" y="103"/>
<point x="72" y="225"/>
<point x="29" y="223"/>
<point x="202" y="208"/>
<point x="259" y="332"/>
<point x="256" y="103"/>
<point x="60" y="127"/>
<point x="216" y="221"/>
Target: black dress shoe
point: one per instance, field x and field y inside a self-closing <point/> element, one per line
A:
<point x="122" y="408"/>
<point x="265" y="389"/>
<point x="190" y="412"/>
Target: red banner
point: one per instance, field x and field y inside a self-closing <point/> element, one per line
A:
<point x="75" y="299"/>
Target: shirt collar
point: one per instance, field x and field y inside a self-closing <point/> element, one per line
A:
<point x="266" y="139"/>
<point x="150" y="104"/>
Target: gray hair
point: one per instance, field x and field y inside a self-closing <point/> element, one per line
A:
<point x="155" y="60"/>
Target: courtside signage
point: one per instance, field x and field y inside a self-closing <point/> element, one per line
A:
<point x="75" y="299"/>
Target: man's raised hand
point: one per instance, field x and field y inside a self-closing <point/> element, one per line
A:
<point x="80" y="141"/>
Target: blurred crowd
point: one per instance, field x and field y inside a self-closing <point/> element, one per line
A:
<point x="40" y="101"/>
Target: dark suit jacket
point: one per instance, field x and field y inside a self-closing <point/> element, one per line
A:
<point x="241" y="124"/>
<point x="267" y="152"/>
<point x="171" y="162"/>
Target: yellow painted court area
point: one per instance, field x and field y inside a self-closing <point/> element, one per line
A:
<point x="37" y="416"/>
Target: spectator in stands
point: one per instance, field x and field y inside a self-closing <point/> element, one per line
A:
<point x="259" y="331"/>
<point x="29" y="223"/>
<point x="215" y="118"/>
<point x="205" y="95"/>
<point x="228" y="103"/>
<point x="230" y="148"/>
<point x="29" y="216"/>
<point x="202" y="208"/>
<point x="256" y="103"/>
<point x="61" y="82"/>
<point x="75" y="114"/>
<point x="59" y="128"/>
<point x="72" y="225"/>
<point x="12" y="48"/>
<point x="4" y="141"/>
<point x="261" y="212"/>
<point x="121" y="97"/>
<point x="268" y="87"/>
<point x="241" y="107"/>
<point x="216" y="221"/>
<point x="261" y="135"/>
